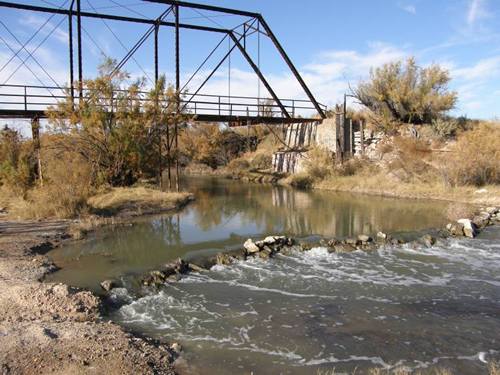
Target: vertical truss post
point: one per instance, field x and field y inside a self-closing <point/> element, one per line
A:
<point x="157" y="27"/>
<point x="245" y="36"/>
<point x="79" y="34"/>
<point x="71" y="64"/>
<point x="177" y="94"/>
<point x="157" y="125"/>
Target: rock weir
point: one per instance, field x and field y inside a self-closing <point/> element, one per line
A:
<point x="272" y="245"/>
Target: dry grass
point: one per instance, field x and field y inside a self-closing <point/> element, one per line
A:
<point x="136" y="201"/>
<point x="475" y="158"/>
<point x="381" y="184"/>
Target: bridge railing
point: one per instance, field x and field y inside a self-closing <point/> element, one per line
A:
<point x="32" y="98"/>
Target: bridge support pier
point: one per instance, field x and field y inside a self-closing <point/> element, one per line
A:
<point x="35" y="133"/>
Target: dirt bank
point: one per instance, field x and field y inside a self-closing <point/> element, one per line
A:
<point x="54" y="329"/>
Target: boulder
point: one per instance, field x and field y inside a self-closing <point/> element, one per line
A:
<point x="482" y="220"/>
<point x="333" y="242"/>
<point x="271" y="240"/>
<point x="469" y="229"/>
<point x="344" y="248"/>
<point x="455" y="229"/>
<point x="195" y="268"/>
<point x="381" y="236"/>
<point x="492" y="210"/>
<point x="428" y="240"/>
<point x="176" y="348"/>
<point x="251" y="247"/>
<point x="365" y="238"/>
<point x="154" y="278"/>
<point x="264" y="254"/>
<point x="224" y="259"/>
<point x="351" y="241"/>
<point x="107" y="285"/>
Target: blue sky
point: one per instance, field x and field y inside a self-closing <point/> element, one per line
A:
<point x="333" y="43"/>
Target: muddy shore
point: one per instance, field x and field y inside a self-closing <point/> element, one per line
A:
<point x="55" y="329"/>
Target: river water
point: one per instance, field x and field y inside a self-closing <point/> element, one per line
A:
<point x="311" y="311"/>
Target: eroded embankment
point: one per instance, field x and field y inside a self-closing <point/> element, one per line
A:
<point x="48" y="328"/>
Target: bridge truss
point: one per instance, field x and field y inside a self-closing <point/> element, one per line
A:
<point x="30" y="101"/>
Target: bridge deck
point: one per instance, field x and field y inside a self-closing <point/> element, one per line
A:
<point x="21" y="101"/>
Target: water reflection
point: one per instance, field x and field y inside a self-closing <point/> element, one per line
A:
<point x="224" y="214"/>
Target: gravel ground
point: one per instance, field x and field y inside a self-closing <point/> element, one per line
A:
<point x="54" y="329"/>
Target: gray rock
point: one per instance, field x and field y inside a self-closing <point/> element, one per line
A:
<point x="428" y="240"/>
<point x="224" y="259"/>
<point x="469" y="229"/>
<point x="492" y="210"/>
<point x="381" y="236"/>
<point x="333" y="242"/>
<point x="107" y="285"/>
<point x="195" y="268"/>
<point x="351" y="241"/>
<point x="176" y="348"/>
<point x="481" y="220"/>
<point x="344" y="248"/>
<point x="455" y="229"/>
<point x="271" y="240"/>
<point x="251" y="247"/>
<point x="365" y="238"/>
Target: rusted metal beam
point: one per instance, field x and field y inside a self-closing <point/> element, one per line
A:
<point x="111" y="17"/>
<point x="205" y="7"/>
<point x="292" y="67"/>
<point x="260" y="75"/>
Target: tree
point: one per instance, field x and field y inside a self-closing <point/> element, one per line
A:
<point x="17" y="167"/>
<point x="402" y="92"/>
<point x="115" y="128"/>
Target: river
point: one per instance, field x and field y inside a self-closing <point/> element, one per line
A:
<point x="311" y="311"/>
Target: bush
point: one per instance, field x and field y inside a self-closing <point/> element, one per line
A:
<point x="409" y="160"/>
<point x="448" y="127"/>
<point x="238" y="165"/>
<point x="68" y="182"/>
<point x="475" y="157"/>
<point x="301" y="180"/>
<point x="17" y="165"/>
<point x="350" y="167"/>
<point x="319" y="163"/>
<point x="398" y="93"/>
<point x="262" y="161"/>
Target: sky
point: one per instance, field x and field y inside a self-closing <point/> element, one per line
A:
<point x="333" y="43"/>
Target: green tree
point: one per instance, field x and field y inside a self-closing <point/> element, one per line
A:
<point x="402" y="92"/>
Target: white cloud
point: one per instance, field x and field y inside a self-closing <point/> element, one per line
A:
<point x="476" y="11"/>
<point x="410" y="8"/>
<point x="482" y="70"/>
<point x="328" y="76"/>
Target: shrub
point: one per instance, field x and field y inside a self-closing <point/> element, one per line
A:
<point x="406" y="93"/>
<point x="409" y="160"/>
<point x="17" y="166"/>
<point x="350" y="167"/>
<point x="301" y="180"/>
<point x="475" y="157"/>
<point x="262" y="161"/>
<point x="319" y="163"/>
<point x="68" y="183"/>
<point x="238" y="165"/>
<point x="448" y="127"/>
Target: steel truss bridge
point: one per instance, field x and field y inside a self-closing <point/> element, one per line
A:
<point x="31" y="101"/>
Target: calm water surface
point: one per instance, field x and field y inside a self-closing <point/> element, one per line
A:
<point x="314" y="310"/>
